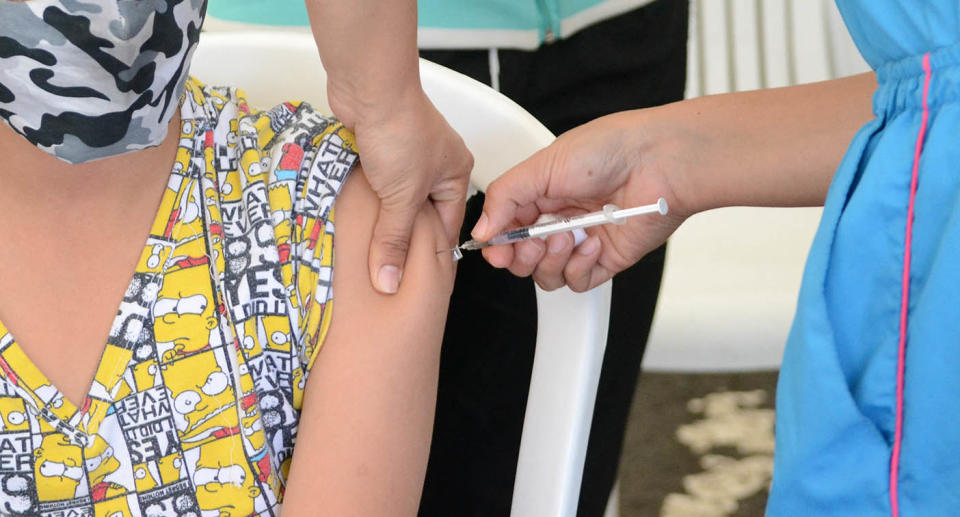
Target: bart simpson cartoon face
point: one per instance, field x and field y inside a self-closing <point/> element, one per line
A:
<point x="250" y="341"/>
<point x="225" y="484"/>
<point x="251" y="165"/>
<point x="58" y="468"/>
<point x="299" y="385"/>
<point x="49" y="396"/>
<point x="230" y="186"/>
<point x="99" y="460"/>
<point x="171" y="468"/>
<point x="145" y="374"/>
<point x="286" y="273"/>
<point x="184" y="311"/>
<point x="250" y="422"/>
<point x="276" y="330"/>
<point x="203" y="399"/>
<point x="211" y="198"/>
<point x="281" y="204"/>
<point x="154" y="256"/>
<point x="189" y="220"/>
<point x="145" y="477"/>
<point x="281" y="201"/>
<point x="13" y="415"/>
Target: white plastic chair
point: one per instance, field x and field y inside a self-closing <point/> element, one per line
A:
<point x="572" y="328"/>
<point x="738" y="45"/>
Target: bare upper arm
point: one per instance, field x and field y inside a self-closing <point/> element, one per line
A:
<point x="365" y="428"/>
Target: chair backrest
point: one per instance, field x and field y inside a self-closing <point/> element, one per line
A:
<point x="738" y="45"/>
<point x="276" y="66"/>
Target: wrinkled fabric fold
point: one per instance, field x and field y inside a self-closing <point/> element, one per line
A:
<point x="839" y="392"/>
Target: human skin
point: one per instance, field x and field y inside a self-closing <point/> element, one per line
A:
<point x="63" y="217"/>
<point x="776" y="147"/>
<point x="410" y="153"/>
<point x="368" y="409"/>
<point x="367" y="420"/>
<point x="77" y="232"/>
<point x="413" y="157"/>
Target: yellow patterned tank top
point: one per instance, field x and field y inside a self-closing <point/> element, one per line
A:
<point x="194" y="407"/>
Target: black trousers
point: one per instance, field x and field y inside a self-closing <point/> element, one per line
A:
<point x="634" y="60"/>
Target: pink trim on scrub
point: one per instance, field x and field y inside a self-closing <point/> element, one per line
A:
<point x="905" y="297"/>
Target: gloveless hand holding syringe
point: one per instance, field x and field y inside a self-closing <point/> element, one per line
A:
<point x="611" y="214"/>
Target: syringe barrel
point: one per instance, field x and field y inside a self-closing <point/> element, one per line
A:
<point x="568" y="224"/>
<point x="510" y="236"/>
<point x="543" y="229"/>
<point x="609" y="214"/>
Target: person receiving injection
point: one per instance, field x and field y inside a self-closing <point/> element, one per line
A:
<point x="867" y="398"/>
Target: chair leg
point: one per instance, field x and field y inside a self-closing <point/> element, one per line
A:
<point x="613" y="503"/>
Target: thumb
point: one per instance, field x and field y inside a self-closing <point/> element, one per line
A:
<point x="522" y="185"/>
<point x="388" y="248"/>
<point x="451" y="216"/>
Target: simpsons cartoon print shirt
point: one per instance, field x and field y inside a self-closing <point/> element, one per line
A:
<point x="194" y="407"/>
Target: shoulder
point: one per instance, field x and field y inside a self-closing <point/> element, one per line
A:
<point x="291" y="146"/>
<point x="286" y="125"/>
<point x="308" y="150"/>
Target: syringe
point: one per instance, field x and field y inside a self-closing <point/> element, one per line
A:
<point x="609" y="214"/>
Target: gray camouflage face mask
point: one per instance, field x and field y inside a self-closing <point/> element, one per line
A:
<point x="90" y="79"/>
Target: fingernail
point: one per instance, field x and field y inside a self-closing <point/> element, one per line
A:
<point x="557" y="244"/>
<point x="480" y="228"/>
<point x="589" y="246"/>
<point x="389" y="279"/>
<point x="528" y="252"/>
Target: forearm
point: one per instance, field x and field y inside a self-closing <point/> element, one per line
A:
<point x="369" y="50"/>
<point x="777" y="147"/>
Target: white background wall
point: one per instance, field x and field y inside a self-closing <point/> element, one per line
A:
<point x="732" y="275"/>
<point x="738" y="45"/>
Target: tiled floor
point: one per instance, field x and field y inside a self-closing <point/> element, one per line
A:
<point x="698" y="446"/>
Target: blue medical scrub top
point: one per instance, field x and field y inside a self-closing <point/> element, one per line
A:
<point x="869" y="397"/>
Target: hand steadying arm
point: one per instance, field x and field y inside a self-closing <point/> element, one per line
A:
<point x="409" y="152"/>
